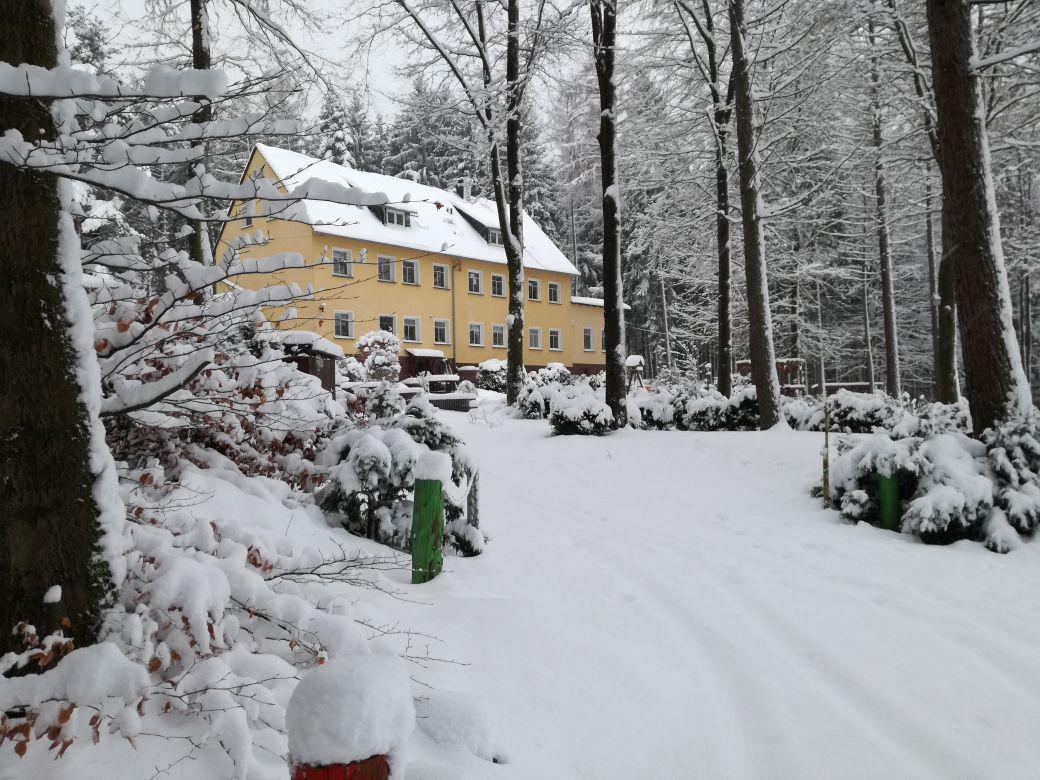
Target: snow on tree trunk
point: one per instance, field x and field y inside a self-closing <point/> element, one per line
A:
<point x="888" y="300"/>
<point x="995" y="382"/>
<point x="604" y="35"/>
<point x="760" y="326"/>
<point x="515" y="188"/>
<point x="725" y="373"/>
<point x="868" y="340"/>
<point x="57" y="478"/>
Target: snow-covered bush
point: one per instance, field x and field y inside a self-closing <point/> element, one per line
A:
<point x="1013" y="454"/>
<point x="539" y="386"/>
<point x="383" y="402"/>
<point x="467" y="387"/>
<point x="578" y="409"/>
<point x="869" y="412"/>
<point x="350" y="369"/>
<point x="491" y="375"/>
<point x="372" y="474"/>
<point x="690" y="406"/>
<point x="854" y="473"/>
<point x="378" y="350"/>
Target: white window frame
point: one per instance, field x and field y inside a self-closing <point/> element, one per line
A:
<point x="418" y="329"/>
<point x="588" y="340"/>
<point x="447" y="276"/>
<point x="559" y="340"/>
<point x="349" y="317"/>
<point x="501" y="279"/>
<point x="537" y="287"/>
<point x="498" y="328"/>
<point x="413" y="264"/>
<point x="495" y="236"/>
<point x="447" y="331"/>
<point x="393" y="322"/>
<point x="532" y="333"/>
<point x="480" y="282"/>
<point x="549" y="296"/>
<point x="396" y="217"/>
<point x="480" y="329"/>
<point x="391" y="265"/>
<point x="349" y="263"/>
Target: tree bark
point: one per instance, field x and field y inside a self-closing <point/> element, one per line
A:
<point x="199" y="246"/>
<point x="515" y="188"/>
<point x="760" y="326"/>
<point x="604" y="35"/>
<point x="888" y="301"/>
<point x="995" y="383"/>
<point x="49" y="520"/>
<point x="947" y="384"/>
<point x="933" y="277"/>
<point x="867" y="336"/>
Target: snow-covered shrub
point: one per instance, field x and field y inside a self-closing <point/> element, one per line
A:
<point x="372" y="474"/>
<point x="350" y="369"/>
<point x="954" y="495"/>
<point x="654" y="408"/>
<point x="853" y="473"/>
<point x="539" y="386"/>
<point x="1013" y="455"/>
<point x="870" y="412"/>
<point x="467" y="387"/>
<point x="491" y="375"/>
<point x="578" y="409"/>
<point x="378" y="350"/>
<point x="383" y="402"/>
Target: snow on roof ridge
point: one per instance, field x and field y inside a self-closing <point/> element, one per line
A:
<point x="437" y="225"/>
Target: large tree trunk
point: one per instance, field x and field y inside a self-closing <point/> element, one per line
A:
<point x="995" y="383"/>
<point x="888" y="301"/>
<point x="49" y="521"/>
<point x="515" y="188"/>
<point x="760" y="326"/>
<point x="725" y="373"/>
<point x="947" y="384"/>
<point x="933" y="275"/>
<point x="200" y="249"/>
<point x="604" y="35"/>
<point x="868" y="339"/>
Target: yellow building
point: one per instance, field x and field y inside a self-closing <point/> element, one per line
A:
<point x="428" y="265"/>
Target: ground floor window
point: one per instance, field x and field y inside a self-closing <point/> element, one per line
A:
<point x="440" y="332"/>
<point x="476" y="334"/>
<point x="534" y="338"/>
<point x="411" y="329"/>
<point x="388" y="323"/>
<point x="554" y="339"/>
<point x="498" y="335"/>
<point x="587" y="340"/>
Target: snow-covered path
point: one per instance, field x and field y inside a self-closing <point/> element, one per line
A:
<point x="675" y="605"/>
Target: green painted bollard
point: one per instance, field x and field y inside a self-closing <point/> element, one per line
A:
<point x="427" y="530"/>
<point x="888" y="501"/>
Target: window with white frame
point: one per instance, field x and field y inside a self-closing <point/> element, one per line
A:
<point x="342" y="262"/>
<point x="498" y="285"/>
<point x="386" y="268"/>
<point x="475" y="279"/>
<point x="344" y="324"/>
<point x="534" y="338"/>
<point x="587" y="340"/>
<point x="441" y="332"/>
<point x="388" y="322"/>
<point x="410" y="326"/>
<point x="554" y="292"/>
<point x="476" y="334"/>
<point x="440" y="276"/>
<point x="397" y="217"/>
<point x="498" y="336"/>
<point x="554" y="339"/>
<point x="534" y="290"/>
<point x="410" y="272"/>
<point x="603" y="340"/>
<point x="495" y="236"/>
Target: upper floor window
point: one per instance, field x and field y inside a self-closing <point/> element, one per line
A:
<point x="498" y="285"/>
<point x="344" y="323"/>
<point x="247" y="214"/>
<point x="554" y="292"/>
<point x="476" y="282"/>
<point x="386" y="268"/>
<point x="603" y="340"/>
<point x="495" y="236"/>
<point x="440" y="276"/>
<point x="396" y="217"/>
<point x="342" y="262"/>
<point x="410" y="271"/>
<point x="534" y="290"/>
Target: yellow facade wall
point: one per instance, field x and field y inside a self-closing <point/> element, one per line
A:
<point x="367" y="298"/>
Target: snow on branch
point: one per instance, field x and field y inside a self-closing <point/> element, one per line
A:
<point x="64" y="82"/>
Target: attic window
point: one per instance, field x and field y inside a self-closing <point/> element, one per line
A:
<point x="396" y="217"/>
<point x="495" y="236"/>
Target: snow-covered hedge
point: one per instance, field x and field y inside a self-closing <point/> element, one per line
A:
<point x="372" y="474"/>
<point x="491" y="375"/>
<point x="950" y="486"/>
<point x="869" y="412"/>
<point x="688" y="406"/>
<point x="538" y="387"/>
<point x="577" y="408"/>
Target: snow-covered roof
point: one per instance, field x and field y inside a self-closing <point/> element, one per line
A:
<point x="302" y="338"/>
<point x="584" y="301"/>
<point x="437" y="222"/>
<point x="424" y="352"/>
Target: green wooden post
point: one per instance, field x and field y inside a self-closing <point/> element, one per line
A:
<point x="888" y="501"/>
<point x="427" y="530"/>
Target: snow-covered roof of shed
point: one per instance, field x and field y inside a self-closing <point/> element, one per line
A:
<point x="436" y="224"/>
<point x="586" y="301"/>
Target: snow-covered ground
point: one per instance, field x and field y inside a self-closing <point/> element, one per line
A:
<point x="671" y="605"/>
<point x="675" y="605"/>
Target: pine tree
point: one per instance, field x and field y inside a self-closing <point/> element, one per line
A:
<point x="333" y="139"/>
